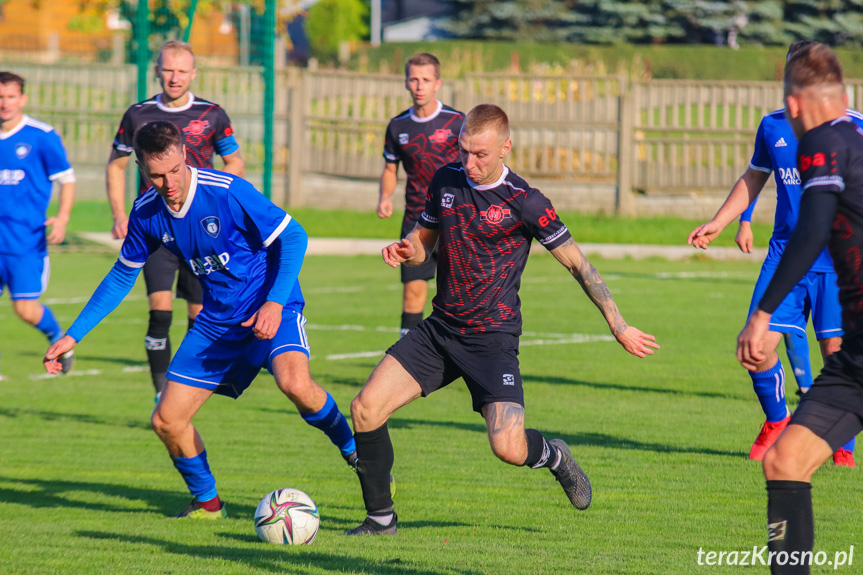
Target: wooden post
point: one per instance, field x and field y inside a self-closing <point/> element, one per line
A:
<point x="625" y="202"/>
<point x="297" y="139"/>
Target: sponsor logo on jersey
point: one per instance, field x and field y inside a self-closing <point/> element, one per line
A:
<point x="166" y="237"/>
<point x="403" y="139"/>
<point x="11" y="177"/>
<point x="196" y="127"/>
<point x="789" y="176"/>
<point x="228" y="131"/>
<point x="508" y="379"/>
<point x="22" y="149"/>
<point x="209" y="264"/>
<point x="212" y="225"/>
<point x="807" y="162"/>
<point x="780" y="144"/>
<point x="495" y="214"/>
<point x="441" y="136"/>
<point x="446" y="200"/>
<point x="550" y="216"/>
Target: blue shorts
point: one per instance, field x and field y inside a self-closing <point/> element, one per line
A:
<point x="228" y="362"/>
<point x="816" y="292"/>
<point x="26" y="275"/>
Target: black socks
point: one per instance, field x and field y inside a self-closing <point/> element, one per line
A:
<point x="790" y="525"/>
<point x="374" y="464"/>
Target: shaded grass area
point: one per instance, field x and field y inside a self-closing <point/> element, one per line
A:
<point x="85" y="486"/>
<point x="95" y="216"/>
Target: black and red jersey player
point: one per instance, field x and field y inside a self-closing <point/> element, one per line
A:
<point x="423" y="139"/>
<point x="206" y="131"/>
<point x="483" y="218"/>
<point x="830" y="161"/>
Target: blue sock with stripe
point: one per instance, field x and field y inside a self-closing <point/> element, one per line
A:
<point x="770" y="388"/>
<point x="49" y="326"/>
<point x="797" y="347"/>
<point x="196" y="474"/>
<point x="331" y="421"/>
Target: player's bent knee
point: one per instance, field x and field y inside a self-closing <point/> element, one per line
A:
<point x="508" y="451"/>
<point x="779" y="464"/>
<point x="365" y="417"/>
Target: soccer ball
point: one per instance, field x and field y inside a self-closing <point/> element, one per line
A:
<point x="287" y="516"/>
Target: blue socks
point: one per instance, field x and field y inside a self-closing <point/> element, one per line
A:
<point x="196" y="474"/>
<point x="797" y="347"/>
<point x="49" y="326"/>
<point x="331" y="421"/>
<point x="850" y="445"/>
<point x="770" y="388"/>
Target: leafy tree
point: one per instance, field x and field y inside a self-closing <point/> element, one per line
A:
<point x="332" y="22"/>
<point x="523" y="20"/>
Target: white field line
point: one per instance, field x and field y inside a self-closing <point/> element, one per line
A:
<point x="543" y="339"/>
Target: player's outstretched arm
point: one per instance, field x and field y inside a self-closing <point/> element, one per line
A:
<point x="63" y="345"/>
<point x="413" y="250"/>
<point x="632" y="339"/>
<point x="742" y="194"/>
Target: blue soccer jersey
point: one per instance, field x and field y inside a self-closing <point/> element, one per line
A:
<point x="222" y="233"/>
<point x="32" y="158"/>
<point x="776" y="152"/>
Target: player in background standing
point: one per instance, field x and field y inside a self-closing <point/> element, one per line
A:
<point x="776" y="152"/>
<point x="796" y="343"/>
<point x="483" y="218"/>
<point x="247" y="254"/>
<point x="32" y="159"/>
<point x="206" y="129"/>
<point x="830" y="159"/>
<point x="423" y="138"/>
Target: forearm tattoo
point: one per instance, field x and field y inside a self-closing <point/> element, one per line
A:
<point x="593" y="285"/>
<point x="502" y="417"/>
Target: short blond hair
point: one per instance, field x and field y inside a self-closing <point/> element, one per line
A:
<point x="175" y="46"/>
<point x="486" y="117"/>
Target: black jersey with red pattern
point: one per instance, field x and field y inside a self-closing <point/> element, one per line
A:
<point x="485" y="236"/>
<point x="205" y="126"/>
<point x="422" y="145"/>
<point x="830" y="158"/>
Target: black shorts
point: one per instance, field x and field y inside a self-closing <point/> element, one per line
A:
<point x="435" y="355"/>
<point x="159" y="272"/>
<point x="424" y="272"/>
<point x="833" y="407"/>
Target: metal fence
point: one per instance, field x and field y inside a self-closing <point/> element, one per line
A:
<point x="658" y="138"/>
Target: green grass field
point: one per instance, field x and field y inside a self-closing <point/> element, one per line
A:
<point x="85" y="485"/>
<point x="95" y="216"/>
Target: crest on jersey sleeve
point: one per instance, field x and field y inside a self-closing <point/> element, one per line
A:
<point x="212" y="225"/>
<point x="22" y="149"/>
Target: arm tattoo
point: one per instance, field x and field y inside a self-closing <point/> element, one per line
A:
<point x="502" y="417"/>
<point x="593" y="285"/>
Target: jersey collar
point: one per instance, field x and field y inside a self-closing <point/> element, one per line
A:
<point x="16" y="129"/>
<point x="427" y="118"/>
<point x="490" y="186"/>
<point x="187" y="205"/>
<point x="165" y="108"/>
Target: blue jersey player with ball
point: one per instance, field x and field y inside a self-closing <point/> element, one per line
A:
<point x="247" y="254"/>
